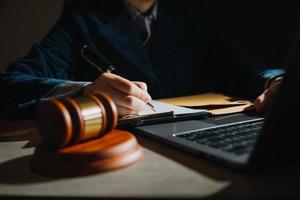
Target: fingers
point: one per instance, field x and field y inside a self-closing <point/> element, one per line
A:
<point x="130" y="88"/>
<point x="125" y="100"/>
<point x="123" y="111"/>
<point x="276" y="82"/>
<point x="264" y="101"/>
<point x="129" y="97"/>
<point x="260" y="102"/>
<point x="141" y="85"/>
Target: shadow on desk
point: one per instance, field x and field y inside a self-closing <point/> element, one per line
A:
<point x="19" y="131"/>
<point x="15" y="131"/>
<point x="22" y="175"/>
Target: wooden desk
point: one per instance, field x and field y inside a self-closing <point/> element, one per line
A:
<point x="163" y="172"/>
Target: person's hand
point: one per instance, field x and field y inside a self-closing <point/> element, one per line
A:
<point x="263" y="102"/>
<point x="129" y="97"/>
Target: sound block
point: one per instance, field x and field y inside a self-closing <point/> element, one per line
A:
<point x="114" y="150"/>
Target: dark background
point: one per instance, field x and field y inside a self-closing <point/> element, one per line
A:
<point x="262" y="29"/>
<point x="23" y="22"/>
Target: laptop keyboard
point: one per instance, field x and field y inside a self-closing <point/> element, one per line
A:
<point x="238" y="138"/>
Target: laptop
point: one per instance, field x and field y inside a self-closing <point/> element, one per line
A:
<point x="244" y="140"/>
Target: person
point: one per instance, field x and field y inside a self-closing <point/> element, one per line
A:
<point x="159" y="48"/>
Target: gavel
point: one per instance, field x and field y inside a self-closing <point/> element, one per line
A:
<point x="79" y="137"/>
<point x="66" y="121"/>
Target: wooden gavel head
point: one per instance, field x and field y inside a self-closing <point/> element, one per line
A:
<point x="67" y="121"/>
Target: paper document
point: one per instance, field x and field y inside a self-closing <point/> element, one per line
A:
<point x="215" y="103"/>
<point x="164" y="112"/>
<point x="161" y="107"/>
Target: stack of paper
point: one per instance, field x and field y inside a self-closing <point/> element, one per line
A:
<point x="162" y="107"/>
<point x="188" y="107"/>
<point x="163" y="112"/>
<point x="215" y="103"/>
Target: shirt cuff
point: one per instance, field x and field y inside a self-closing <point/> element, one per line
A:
<point x="66" y="89"/>
<point x="272" y="74"/>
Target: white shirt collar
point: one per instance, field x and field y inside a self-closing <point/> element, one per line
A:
<point x="134" y="13"/>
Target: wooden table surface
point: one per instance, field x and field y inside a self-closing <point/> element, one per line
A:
<point x="164" y="171"/>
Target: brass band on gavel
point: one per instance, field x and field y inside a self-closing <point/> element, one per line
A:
<point x="71" y="120"/>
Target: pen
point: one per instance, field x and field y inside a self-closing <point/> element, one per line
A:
<point x="102" y="64"/>
<point x="97" y="60"/>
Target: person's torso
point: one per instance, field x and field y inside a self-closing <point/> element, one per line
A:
<point x="170" y="63"/>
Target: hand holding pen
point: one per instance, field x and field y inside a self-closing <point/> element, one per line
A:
<point x="130" y="97"/>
